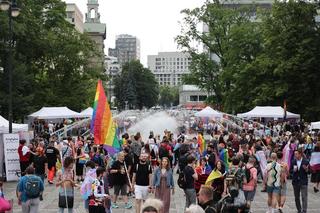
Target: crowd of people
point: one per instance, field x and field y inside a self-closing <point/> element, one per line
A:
<point x="219" y="174"/>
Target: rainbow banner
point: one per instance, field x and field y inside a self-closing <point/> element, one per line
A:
<point x="102" y="125"/>
<point x="201" y="144"/>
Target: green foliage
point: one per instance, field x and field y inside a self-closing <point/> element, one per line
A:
<point x="137" y="86"/>
<point x="169" y="96"/>
<point x="260" y="62"/>
<point x="51" y="60"/>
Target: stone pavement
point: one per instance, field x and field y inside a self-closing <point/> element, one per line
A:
<point x="50" y="203"/>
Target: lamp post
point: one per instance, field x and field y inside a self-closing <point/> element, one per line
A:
<point x="13" y="11"/>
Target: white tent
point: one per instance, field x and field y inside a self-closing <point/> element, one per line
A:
<point x="267" y="112"/>
<point x="55" y="113"/>
<point x="87" y="113"/>
<point x="208" y="112"/>
<point x="315" y="125"/>
<point x="4" y="126"/>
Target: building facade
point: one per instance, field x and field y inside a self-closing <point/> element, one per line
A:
<point x="168" y="67"/>
<point x="96" y="31"/>
<point x="75" y="17"/>
<point x="127" y="48"/>
<point x="192" y="97"/>
<point x="113" y="69"/>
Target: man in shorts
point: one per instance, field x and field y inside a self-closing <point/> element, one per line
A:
<point x="249" y="187"/>
<point x="273" y="183"/>
<point x="119" y="179"/>
<point x="142" y="174"/>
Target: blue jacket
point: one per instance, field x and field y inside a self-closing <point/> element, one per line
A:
<point x="300" y="177"/>
<point x="157" y="177"/>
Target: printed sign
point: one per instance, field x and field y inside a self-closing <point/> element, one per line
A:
<point x="11" y="156"/>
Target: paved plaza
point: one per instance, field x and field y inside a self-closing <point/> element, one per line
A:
<point x="50" y="203"/>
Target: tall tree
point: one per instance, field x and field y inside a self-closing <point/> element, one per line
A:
<point x="137" y="86"/>
<point x="50" y="60"/>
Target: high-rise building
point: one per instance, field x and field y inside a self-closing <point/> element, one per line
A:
<point x="96" y="30"/>
<point x="127" y="48"/>
<point x="74" y="17"/>
<point x="168" y="67"/>
<point x="112" y="70"/>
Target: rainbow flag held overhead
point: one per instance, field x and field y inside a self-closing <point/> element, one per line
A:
<point x="102" y="125"/>
<point x="201" y="143"/>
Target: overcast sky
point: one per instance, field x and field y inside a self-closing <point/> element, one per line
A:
<point x="154" y="22"/>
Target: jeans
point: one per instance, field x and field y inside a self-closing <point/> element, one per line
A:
<point x="61" y="210"/>
<point x="191" y="197"/>
<point x="30" y="206"/>
<point x="303" y="189"/>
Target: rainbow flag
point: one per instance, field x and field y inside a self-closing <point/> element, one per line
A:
<point x="224" y="156"/>
<point x="201" y="143"/>
<point x="102" y="125"/>
<point x="215" y="174"/>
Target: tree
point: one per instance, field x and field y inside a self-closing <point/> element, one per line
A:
<point x="169" y="96"/>
<point x="221" y="23"/>
<point x="137" y="86"/>
<point x="50" y="60"/>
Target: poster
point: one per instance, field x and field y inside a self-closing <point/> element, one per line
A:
<point x="11" y="157"/>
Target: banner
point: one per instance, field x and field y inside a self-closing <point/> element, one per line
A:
<point x="11" y="156"/>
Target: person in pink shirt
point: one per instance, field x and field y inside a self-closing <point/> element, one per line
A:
<point x="249" y="186"/>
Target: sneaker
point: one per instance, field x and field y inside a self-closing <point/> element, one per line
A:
<point x="114" y="206"/>
<point x="50" y="182"/>
<point x="128" y="206"/>
<point x="315" y="189"/>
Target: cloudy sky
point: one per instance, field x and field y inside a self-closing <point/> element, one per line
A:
<point x="154" y="22"/>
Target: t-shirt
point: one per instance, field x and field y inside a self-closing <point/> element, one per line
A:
<point x="274" y="174"/>
<point x="188" y="172"/>
<point x="52" y="153"/>
<point x="142" y="173"/>
<point x="39" y="164"/>
<point x="118" y="178"/>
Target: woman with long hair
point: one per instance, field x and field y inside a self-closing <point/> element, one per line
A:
<point x="163" y="183"/>
<point x="203" y="170"/>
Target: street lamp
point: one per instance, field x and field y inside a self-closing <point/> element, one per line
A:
<point x="13" y="11"/>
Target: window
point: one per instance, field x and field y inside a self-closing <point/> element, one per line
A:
<point x="202" y="97"/>
<point x="158" y="59"/>
<point x="193" y="98"/>
<point x="177" y="59"/>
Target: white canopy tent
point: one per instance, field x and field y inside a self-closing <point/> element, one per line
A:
<point x="268" y="112"/>
<point x="4" y="126"/>
<point x="55" y="113"/>
<point x="87" y="113"/>
<point x="315" y="125"/>
<point x="208" y="112"/>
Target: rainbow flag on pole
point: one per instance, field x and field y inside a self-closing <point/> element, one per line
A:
<point x="102" y="125"/>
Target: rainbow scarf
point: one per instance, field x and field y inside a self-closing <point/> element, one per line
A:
<point x="102" y="125"/>
<point x="224" y="156"/>
<point x="201" y="144"/>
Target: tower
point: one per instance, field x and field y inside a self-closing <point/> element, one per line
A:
<point x="93" y="15"/>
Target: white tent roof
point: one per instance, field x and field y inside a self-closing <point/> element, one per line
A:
<point x="267" y="112"/>
<point x="208" y="112"/>
<point x="87" y="113"/>
<point x="55" y="112"/>
<point x="315" y="125"/>
<point x="4" y="126"/>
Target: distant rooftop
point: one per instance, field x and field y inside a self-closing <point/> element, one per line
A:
<point x="189" y="88"/>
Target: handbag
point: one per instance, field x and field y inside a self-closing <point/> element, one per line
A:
<point x="4" y="205"/>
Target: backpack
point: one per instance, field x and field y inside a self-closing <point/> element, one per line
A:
<point x="182" y="180"/>
<point x="137" y="167"/>
<point x="32" y="187"/>
<point x="247" y="172"/>
<point x="163" y="152"/>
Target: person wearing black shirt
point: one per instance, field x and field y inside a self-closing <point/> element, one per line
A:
<point x="119" y="180"/>
<point x="52" y="155"/>
<point x="141" y="181"/>
<point x="206" y="199"/>
<point x="190" y="176"/>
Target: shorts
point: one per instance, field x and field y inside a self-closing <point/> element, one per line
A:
<point x="123" y="189"/>
<point x="141" y="192"/>
<point x="273" y="189"/>
<point x="249" y="195"/>
<point x="283" y="190"/>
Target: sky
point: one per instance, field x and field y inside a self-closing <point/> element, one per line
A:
<point x="154" y="22"/>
